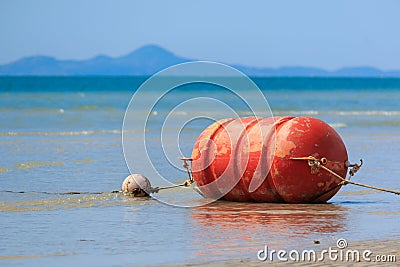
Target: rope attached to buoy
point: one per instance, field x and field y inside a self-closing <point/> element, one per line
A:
<point x="187" y="183"/>
<point x="315" y="164"/>
<point x="135" y="192"/>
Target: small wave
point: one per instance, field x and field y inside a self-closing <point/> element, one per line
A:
<point x="3" y="169"/>
<point x="86" y="107"/>
<point x="34" y="164"/>
<point x="377" y="113"/>
<point x="304" y="112"/>
<point x="56" y="110"/>
<point x="67" y="202"/>
<point x="297" y="112"/>
<point x="180" y="113"/>
<point x="64" y="133"/>
<point x="338" y="125"/>
<point x="87" y="160"/>
<point x="366" y="113"/>
<point x="12" y="257"/>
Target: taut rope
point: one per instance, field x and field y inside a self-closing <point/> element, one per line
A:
<point x="187" y="183"/>
<point x="315" y="164"/>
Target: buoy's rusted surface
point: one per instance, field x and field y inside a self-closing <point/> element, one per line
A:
<point x="257" y="154"/>
<point x="296" y="181"/>
<point x="137" y="185"/>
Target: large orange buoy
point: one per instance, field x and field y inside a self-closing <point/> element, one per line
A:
<point x="254" y="159"/>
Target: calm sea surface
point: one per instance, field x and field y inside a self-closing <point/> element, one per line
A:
<point x="63" y="134"/>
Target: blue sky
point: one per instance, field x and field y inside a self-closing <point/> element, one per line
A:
<point x="316" y="33"/>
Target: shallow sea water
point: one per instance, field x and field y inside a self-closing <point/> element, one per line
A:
<point x="62" y="135"/>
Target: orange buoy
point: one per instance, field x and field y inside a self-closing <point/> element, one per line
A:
<point x="253" y="159"/>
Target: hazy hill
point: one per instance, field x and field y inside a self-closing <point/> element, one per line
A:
<point x="151" y="59"/>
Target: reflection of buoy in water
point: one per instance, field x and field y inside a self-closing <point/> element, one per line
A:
<point x="260" y="154"/>
<point x="137" y="185"/>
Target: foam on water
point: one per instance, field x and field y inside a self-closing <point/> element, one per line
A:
<point x="338" y="125"/>
<point x="64" y="133"/>
<point x="366" y="113"/>
<point x="34" y="164"/>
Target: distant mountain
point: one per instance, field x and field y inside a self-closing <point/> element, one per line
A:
<point x="144" y="61"/>
<point x="150" y="59"/>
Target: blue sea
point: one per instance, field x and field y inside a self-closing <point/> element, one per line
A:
<point x="64" y="134"/>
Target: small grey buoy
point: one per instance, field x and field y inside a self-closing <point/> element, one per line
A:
<point x="137" y="185"/>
